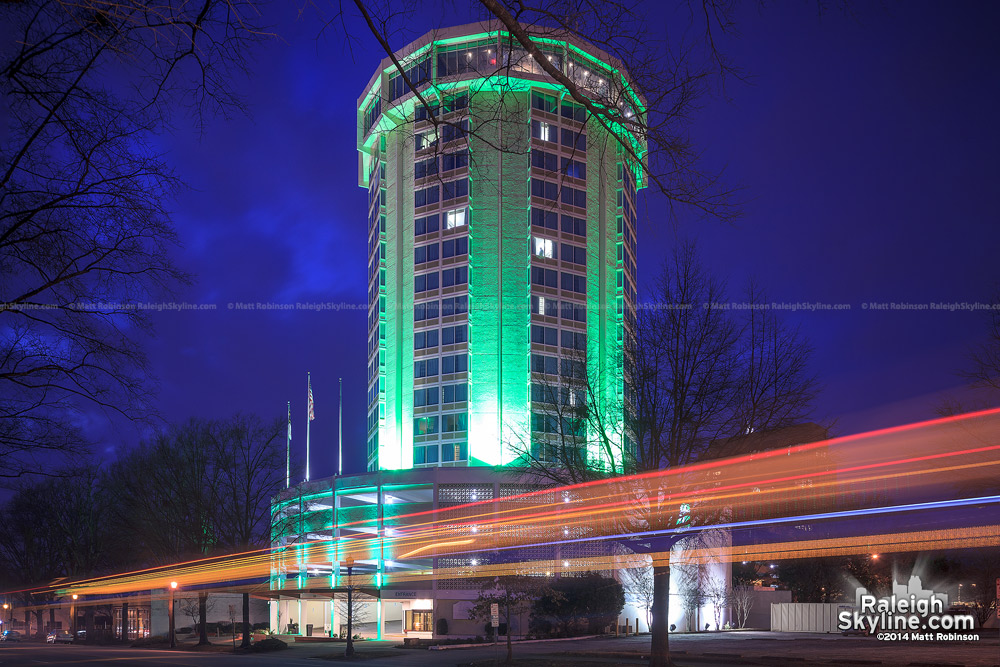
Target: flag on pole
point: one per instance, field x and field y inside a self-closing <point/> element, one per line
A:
<point x="288" y="449"/>
<point x="312" y="407"/>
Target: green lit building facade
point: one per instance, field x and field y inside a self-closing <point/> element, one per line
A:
<point x="501" y="247"/>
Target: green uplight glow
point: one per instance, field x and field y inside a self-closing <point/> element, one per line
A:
<point x="499" y="260"/>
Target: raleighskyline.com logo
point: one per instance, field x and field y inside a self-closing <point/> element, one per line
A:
<point x="909" y="614"/>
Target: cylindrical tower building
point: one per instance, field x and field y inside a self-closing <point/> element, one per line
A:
<point x="501" y="249"/>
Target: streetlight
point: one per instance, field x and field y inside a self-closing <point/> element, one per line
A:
<point x="173" y="639"/>
<point x="349" y="651"/>
<point x="72" y="613"/>
<point x="10" y="616"/>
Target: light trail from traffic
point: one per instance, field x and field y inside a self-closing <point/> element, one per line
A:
<point x="930" y="462"/>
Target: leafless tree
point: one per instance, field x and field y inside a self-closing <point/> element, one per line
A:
<point x="360" y="609"/>
<point x="513" y="594"/>
<point x="982" y="372"/>
<point x="249" y="455"/>
<point x="166" y="494"/>
<point x="638" y="585"/>
<point x="984" y="570"/>
<point x="691" y="590"/>
<point x="191" y="607"/>
<point x="668" y="76"/>
<point x="84" y="224"/>
<point x="687" y="365"/>
<point x="742" y="598"/>
<point x="717" y="594"/>
<point x="30" y="551"/>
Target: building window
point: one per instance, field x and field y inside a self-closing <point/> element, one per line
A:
<point x="542" y="423"/>
<point x="544" y="277"/>
<point x="424" y="397"/>
<point x="456" y="276"/>
<point x="479" y="56"/>
<point x="575" y="112"/>
<point x="455" y="334"/>
<point x="425" y="425"/>
<point x="426" y="225"/>
<point x="417" y="73"/>
<point x="456" y="363"/>
<point x="422" y="140"/>
<point x="572" y="368"/>
<point x="573" y="340"/>
<point x="456" y="393"/>
<point x="543" y="131"/>
<point x="455" y="305"/>
<point x="544" y="160"/>
<point x="425" y="282"/>
<point x="572" y="225"/>
<point x="419" y="621"/>
<point x="541" y="305"/>
<point x="426" y="196"/>
<point x="425" y="311"/>
<point x="458" y="451"/>
<point x="573" y="283"/>
<point x="573" y="254"/>
<point x="574" y="139"/>
<point x="454" y="423"/>
<point x="423" y="455"/>
<point x="542" y="393"/>
<point x="574" y="168"/>
<point x="543" y="102"/>
<point x="454" y="218"/>
<point x="544" y="189"/>
<point x="573" y="311"/>
<point x="544" y="335"/>
<point x="453" y="161"/>
<point x="545" y="219"/>
<point x="423" y="168"/>
<point x="425" y="253"/>
<point x="455" y="247"/>
<point x="425" y="368"/>
<point x="541" y="363"/>
<point x="544" y="247"/>
<point x="574" y="197"/>
<point x="455" y="189"/>
<point x="425" y="339"/>
<point x="455" y="130"/>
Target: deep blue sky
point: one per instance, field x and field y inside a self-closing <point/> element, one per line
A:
<point x="867" y="152"/>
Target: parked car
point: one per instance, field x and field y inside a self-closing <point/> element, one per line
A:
<point x="59" y="637"/>
<point x="10" y="636"/>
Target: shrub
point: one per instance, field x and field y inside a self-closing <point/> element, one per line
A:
<point x="442" y="626"/>
<point x="269" y="644"/>
<point x="152" y="640"/>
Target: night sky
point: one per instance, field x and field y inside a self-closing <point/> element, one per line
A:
<point x="866" y="149"/>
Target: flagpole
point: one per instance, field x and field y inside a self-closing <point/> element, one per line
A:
<point x="288" y="449"/>
<point x="340" y="430"/>
<point x="309" y="415"/>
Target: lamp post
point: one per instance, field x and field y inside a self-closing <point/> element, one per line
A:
<point x="9" y="613"/>
<point x="170" y="611"/>
<point x="349" y="651"/>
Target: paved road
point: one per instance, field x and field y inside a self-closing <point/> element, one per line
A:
<point x="705" y="650"/>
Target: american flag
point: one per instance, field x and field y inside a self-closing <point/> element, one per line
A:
<point x="312" y="407"/>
